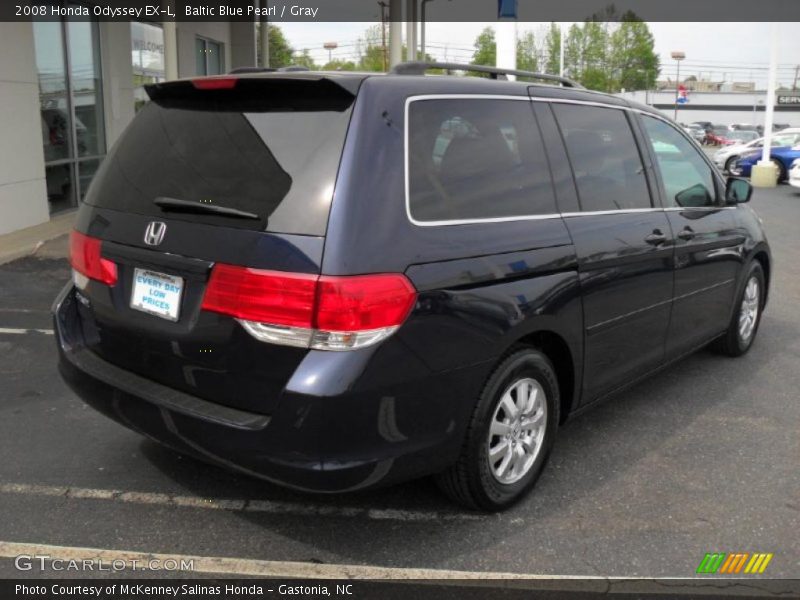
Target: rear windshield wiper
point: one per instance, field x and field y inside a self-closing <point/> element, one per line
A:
<point x="190" y="206"/>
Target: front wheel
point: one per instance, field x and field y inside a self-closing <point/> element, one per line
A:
<point x="747" y="316"/>
<point x="729" y="164"/>
<point x="509" y="436"/>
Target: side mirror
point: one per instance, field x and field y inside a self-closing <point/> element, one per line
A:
<point x="737" y="190"/>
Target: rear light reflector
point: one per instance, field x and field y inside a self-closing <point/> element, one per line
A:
<point x="215" y="83"/>
<point x="311" y="311"/>
<point x="85" y="258"/>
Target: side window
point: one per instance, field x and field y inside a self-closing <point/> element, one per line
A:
<point x="604" y="157"/>
<point x="688" y="180"/>
<point x="476" y="159"/>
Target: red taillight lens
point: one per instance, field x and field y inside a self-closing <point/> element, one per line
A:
<point x="84" y="256"/>
<point x="263" y="296"/>
<point x="363" y="302"/>
<point x="215" y="83"/>
<point x="332" y="313"/>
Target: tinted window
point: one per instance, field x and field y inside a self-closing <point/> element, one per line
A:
<point x="688" y="180"/>
<point x="476" y="159"/>
<point x="604" y="156"/>
<point x="280" y="165"/>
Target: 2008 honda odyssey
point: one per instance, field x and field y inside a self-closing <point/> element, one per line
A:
<point x="334" y="280"/>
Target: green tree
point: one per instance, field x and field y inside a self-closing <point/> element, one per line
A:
<point x="304" y="59"/>
<point x="634" y="63"/>
<point x="552" y="48"/>
<point x="339" y="65"/>
<point x="485" y="48"/>
<point x="527" y="53"/>
<point x="371" y="51"/>
<point x="280" y="52"/>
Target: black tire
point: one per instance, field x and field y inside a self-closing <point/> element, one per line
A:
<point x="729" y="164"/>
<point x="732" y="343"/>
<point x="781" y="170"/>
<point x="471" y="482"/>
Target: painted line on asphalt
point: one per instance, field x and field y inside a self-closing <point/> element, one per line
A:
<point x="273" y="507"/>
<point x="250" y="567"/>
<point x="14" y="331"/>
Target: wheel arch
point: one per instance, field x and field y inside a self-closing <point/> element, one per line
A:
<point x="556" y="348"/>
<point x="762" y="256"/>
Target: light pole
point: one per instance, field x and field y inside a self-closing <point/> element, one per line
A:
<point x="677" y="56"/>
<point x="330" y="47"/>
<point x="422" y="28"/>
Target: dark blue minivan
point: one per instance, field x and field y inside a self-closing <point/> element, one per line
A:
<point x="334" y="281"/>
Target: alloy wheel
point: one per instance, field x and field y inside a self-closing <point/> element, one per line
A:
<point x="517" y="430"/>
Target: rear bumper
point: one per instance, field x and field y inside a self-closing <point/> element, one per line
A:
<point x="366" y="436"/>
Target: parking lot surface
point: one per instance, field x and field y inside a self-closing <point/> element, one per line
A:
<point x="702" y="457"/>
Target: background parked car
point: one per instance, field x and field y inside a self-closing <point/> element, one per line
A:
<point x="794" y="174"/>
<point x="717" y="135"/>
<point x="782" y="157"/>
<point x="725" y="156"/>
<point x="697" y="133"/>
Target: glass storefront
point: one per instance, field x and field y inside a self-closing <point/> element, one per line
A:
<point x="71" y="107"/>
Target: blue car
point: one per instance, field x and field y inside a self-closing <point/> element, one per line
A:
<point x="783" y="157"/>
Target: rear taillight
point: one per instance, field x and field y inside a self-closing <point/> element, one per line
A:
<point x="311" y="311"/>
<point x="84" y="256"/>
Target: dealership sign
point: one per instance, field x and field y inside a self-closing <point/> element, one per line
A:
<point x="788" y="99"/>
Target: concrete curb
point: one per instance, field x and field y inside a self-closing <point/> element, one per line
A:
<point x="26" y="242"/>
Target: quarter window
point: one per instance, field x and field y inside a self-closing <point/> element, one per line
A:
<point x="604" y="156"/>
<point x="688" y="180"/>
<point x="476" y="159"/>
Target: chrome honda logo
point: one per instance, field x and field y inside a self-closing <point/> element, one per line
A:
<point x="154" y="234"/>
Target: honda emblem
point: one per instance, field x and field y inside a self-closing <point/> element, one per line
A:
<point x="154" y="233"/>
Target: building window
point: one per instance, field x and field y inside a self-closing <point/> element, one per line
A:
<point x="71" y="107"/>
<point x="147" y="57"/>
<point x="208" y="55"/>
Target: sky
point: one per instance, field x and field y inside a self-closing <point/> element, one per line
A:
<point x="716" y="51"/>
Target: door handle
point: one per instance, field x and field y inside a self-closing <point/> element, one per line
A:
<point x="656" y="238"/>
<point x="686" y="233"/>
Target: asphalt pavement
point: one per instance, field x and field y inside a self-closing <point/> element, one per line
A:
<point x="702" y="457"/>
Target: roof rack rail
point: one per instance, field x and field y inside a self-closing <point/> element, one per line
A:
<point x="419" y="68"/>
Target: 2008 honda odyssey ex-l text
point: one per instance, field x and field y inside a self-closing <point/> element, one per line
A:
<point x="337" y="280"/>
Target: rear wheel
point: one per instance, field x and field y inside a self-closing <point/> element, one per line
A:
<point x="729" y="164"/>
<point x="509" y="436"/>
<point x="747" y="316"/>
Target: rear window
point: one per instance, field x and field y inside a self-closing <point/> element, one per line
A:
<point x="276" y="161"/>
<point x="472" y="159"/>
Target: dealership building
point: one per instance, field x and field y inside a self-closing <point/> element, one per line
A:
<point x="69" y="88"/>
<point x="723" y="107"/>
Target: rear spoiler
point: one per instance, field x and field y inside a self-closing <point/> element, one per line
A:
<point x="262" y="92"/>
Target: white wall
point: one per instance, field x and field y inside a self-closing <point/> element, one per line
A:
<point x="115" y="58"/>
<point x="23" y="193"/>
<point x="689" y="113"/>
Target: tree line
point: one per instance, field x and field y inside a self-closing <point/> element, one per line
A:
<point x="601" y="55"/>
